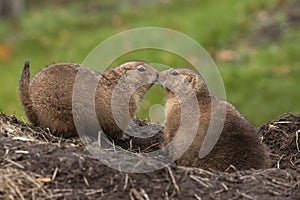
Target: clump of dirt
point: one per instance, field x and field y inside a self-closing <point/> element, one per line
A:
<point x="283" y="139"/>
<point x="36" y="165"/>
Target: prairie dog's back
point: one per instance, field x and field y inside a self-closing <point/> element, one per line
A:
<point x="50" y="98"/>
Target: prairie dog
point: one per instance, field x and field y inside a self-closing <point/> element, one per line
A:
<point x="238" y="143"/>
<point x="47" y="98"/>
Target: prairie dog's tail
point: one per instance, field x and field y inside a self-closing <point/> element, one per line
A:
<point x="25" y="95"/>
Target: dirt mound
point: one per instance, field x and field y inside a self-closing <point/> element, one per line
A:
<point x="36" y="165"/>
<point x="283" y="138"/>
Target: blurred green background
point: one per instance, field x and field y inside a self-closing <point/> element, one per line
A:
<point x="254" y="43"/>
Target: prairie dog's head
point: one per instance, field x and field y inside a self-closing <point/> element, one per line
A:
<point x="131" y="81"/>
<point x="184" y="80"/>
<point x="138" y="70"/>
<point x="134" y="76"/>
<point x="137" y="77"/>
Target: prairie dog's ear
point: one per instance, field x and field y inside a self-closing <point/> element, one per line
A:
<point x="190" y="78"/>
<point x="112" y="73"/>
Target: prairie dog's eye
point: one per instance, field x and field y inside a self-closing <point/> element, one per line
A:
<point x="141" y="68"/>
<point x="174" y="73"/>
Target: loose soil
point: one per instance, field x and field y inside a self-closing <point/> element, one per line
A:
<point x="36" y="165"/>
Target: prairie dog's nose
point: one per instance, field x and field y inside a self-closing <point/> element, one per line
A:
<point x="162" y="76"/>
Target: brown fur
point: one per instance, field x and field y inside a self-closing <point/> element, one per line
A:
<point x="238" y="145"/>
<point x="47" y="98"/>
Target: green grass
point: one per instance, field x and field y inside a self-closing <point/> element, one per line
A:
<point x="266" y="84"/>
<point x="263" y="83"/>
